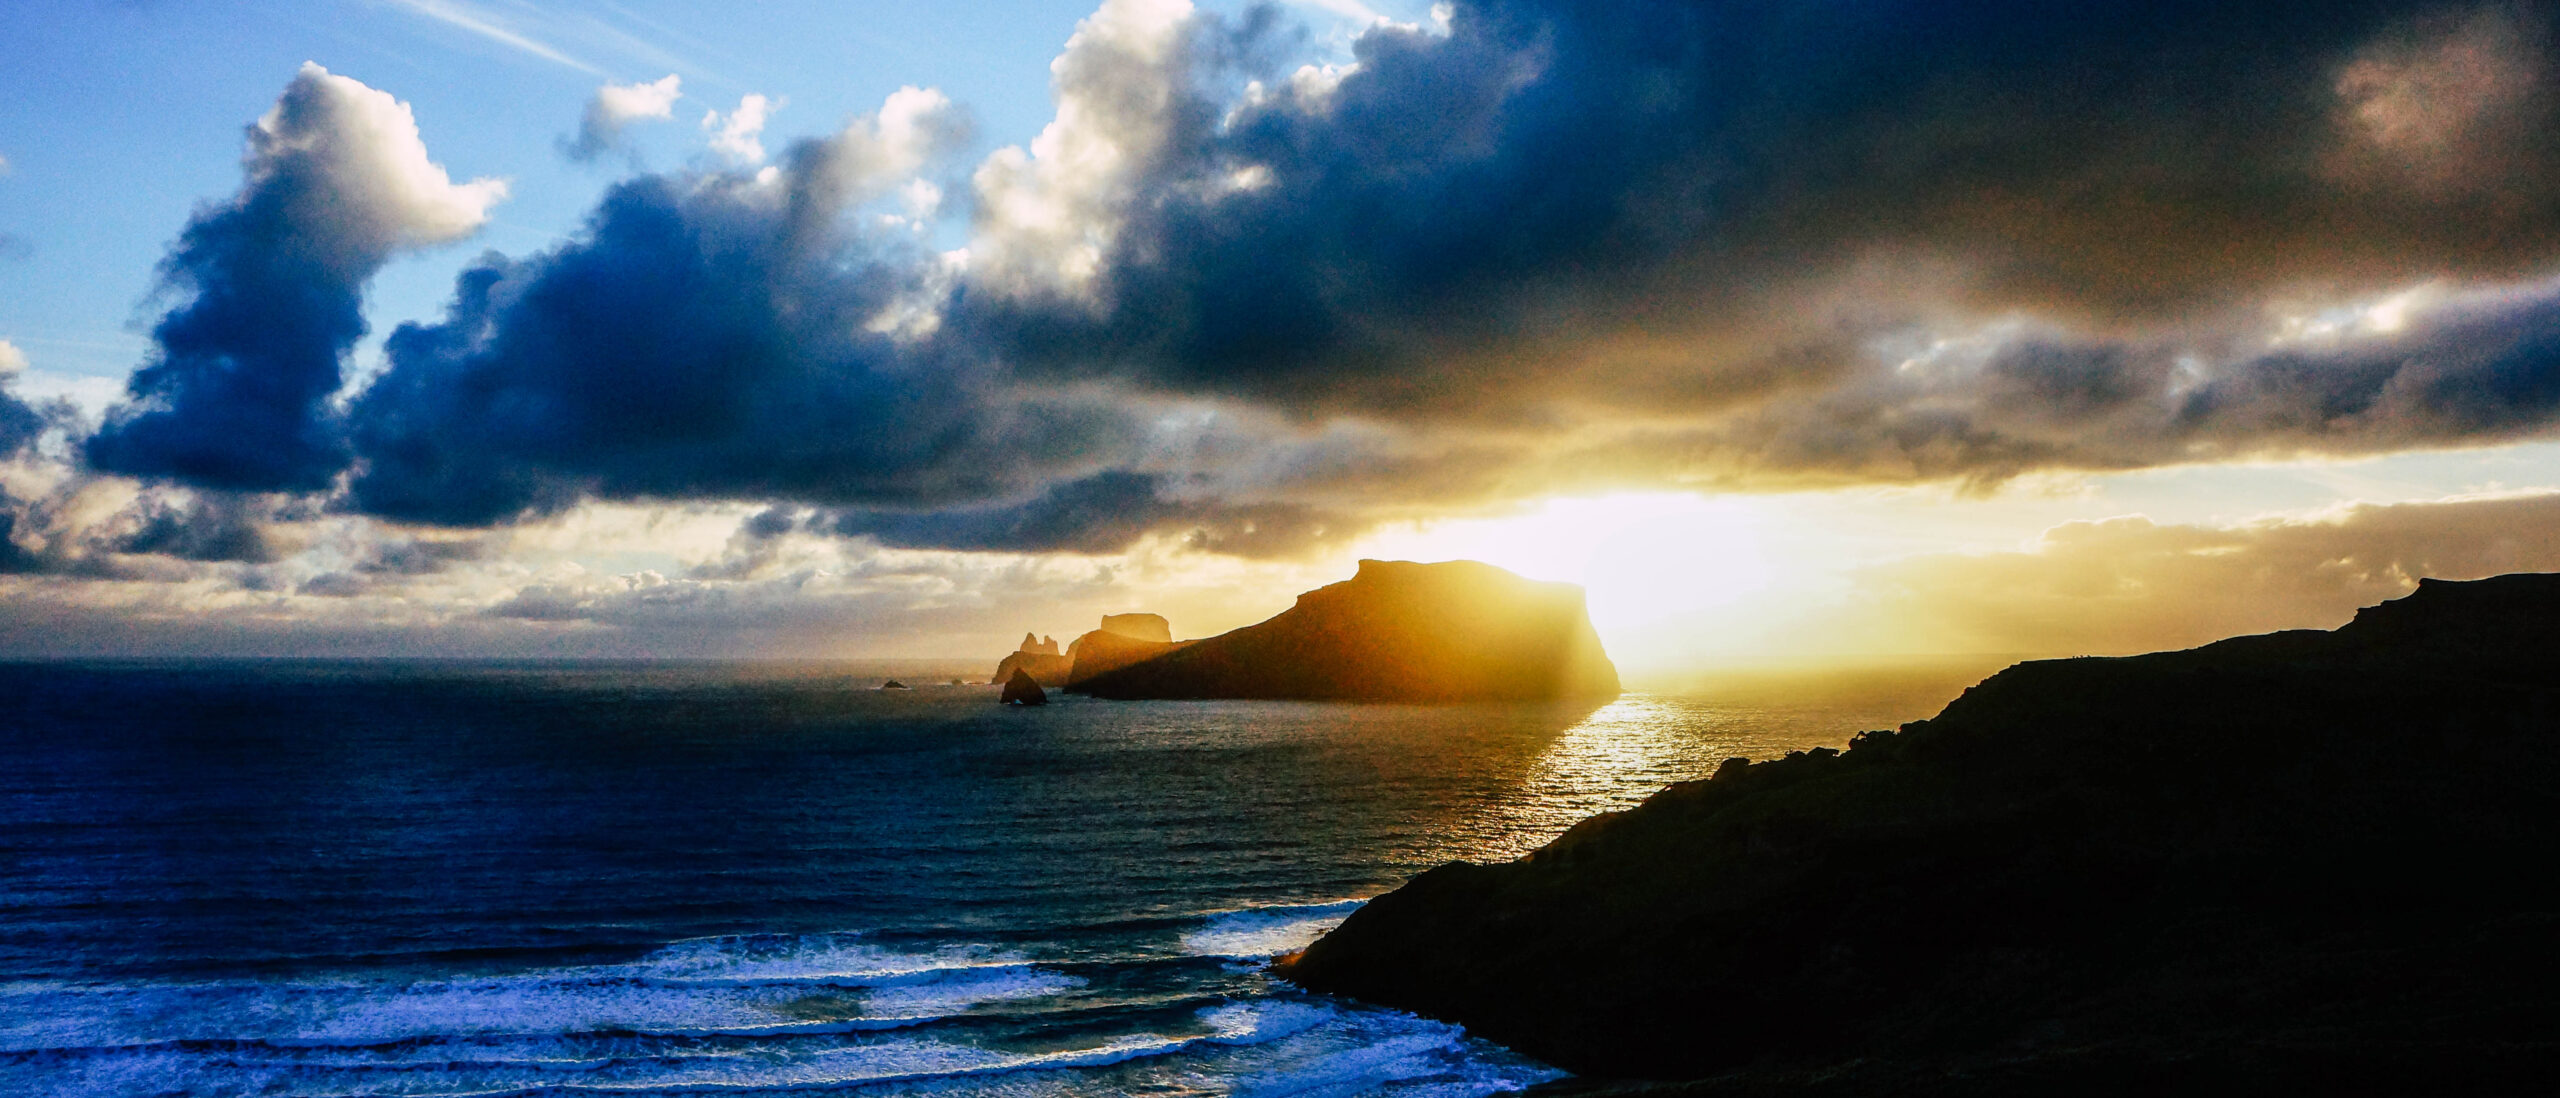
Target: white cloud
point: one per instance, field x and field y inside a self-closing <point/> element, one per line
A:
<point x="368" y="187"/>
<point x="1047" y="213"/>
<point x="622" y="103"/>
<point x="921" y="198"/>
<point x="616" y="106"/>
<point x="877" y="155"/>
<point x="740" y="135"/>
<point x="4" y="166"/>
<point x="12" y="360"/>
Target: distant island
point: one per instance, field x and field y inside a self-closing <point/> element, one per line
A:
<point x="2303" y="862"/>
<point x="1396" y="631"/>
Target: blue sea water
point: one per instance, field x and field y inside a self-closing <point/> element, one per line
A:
<point x="492" y="879"/>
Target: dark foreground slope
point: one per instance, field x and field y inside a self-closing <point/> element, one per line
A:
<point x="1395" y="631"/>
<point x="2296" y="862"/>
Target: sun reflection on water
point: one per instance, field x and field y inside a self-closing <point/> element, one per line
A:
<point x="1631" y="748"/>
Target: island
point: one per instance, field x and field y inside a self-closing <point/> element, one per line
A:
<point x="1396" y="631"/>
<point x="2301" y="862"/>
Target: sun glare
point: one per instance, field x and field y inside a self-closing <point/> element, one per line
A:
<point x="1643" y="558"/>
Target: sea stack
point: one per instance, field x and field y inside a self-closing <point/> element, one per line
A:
<point x="1396" y="631"/>
<point x="2303" y="862"/>
<point x="1040" y="657"/>
<point x="1022" y="689"/>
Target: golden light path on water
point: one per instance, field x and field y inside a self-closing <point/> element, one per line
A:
<point x="1635" y="746"/>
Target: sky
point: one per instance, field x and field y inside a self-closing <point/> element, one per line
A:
<point x="1801" y="333"/>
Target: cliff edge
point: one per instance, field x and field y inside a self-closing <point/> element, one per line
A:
<point x="2291" y="863"/>
<point x="1395" y="631"/>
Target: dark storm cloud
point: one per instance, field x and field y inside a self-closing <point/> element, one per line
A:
<point x="208" y="528"/>
<point x="22" y="426"/>
<point x="152" y="539"/>
<point x="14" y="559"/>
<point x="700" y="339"/>
<point x="235" y="396"/>
<point x="2477" y="369"/>
<point x="20" y="423"/>
<point x="1465" y="218"/>
<point x="2480" y="369"/>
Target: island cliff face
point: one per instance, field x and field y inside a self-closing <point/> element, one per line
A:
<point x="2302" y="862"/>
<point x="1395" y="631"/>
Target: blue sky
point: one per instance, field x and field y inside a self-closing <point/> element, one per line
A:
<point x="1796" y="331"/>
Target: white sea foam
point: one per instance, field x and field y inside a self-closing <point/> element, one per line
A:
<point x="741" y="1015"/>
<point x="844" y="959"/>
<point x="761" y="986"/>
<point x="1266" y="931"/>
<point x="1262" y="1047"/>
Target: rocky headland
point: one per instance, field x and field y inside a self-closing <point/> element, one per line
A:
<point x="1396" y="631"/>
<point x="2302" y="862"/>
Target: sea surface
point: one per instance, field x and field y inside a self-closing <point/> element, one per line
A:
<point x="515" y="879"/>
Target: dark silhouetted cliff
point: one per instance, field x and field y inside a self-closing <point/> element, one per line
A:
<point x="2302" y="862"/>
<point x="1395" y="631"/>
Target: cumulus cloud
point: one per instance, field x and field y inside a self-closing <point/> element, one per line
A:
<point x="235" y="396"/>
<point x="617" y="106"/>
<point x="1047" y="214"/>
<point x="708" y="336"/>
<point x="739" y="135"/>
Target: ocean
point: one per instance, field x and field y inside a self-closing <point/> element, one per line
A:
<point x="312" y="878"/>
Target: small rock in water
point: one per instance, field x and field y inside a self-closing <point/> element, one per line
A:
<point x="1022" y="689"/>
<point x="893" y="684"/>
